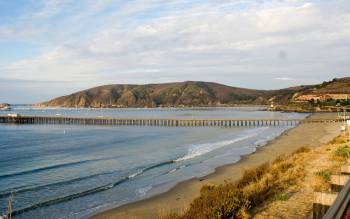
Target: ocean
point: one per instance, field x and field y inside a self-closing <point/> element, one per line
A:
<point x="68" y="171"/>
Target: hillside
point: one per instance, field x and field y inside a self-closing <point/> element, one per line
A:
<point x="189" y="93"/>
<point x="335" y="86"/>
<point x="194" y="93"/>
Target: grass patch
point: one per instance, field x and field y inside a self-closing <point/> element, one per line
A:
<point x="322" y="180"/>
<point x="234" y="200"/>
<point x="342" y="151"/>
<point x="324" y="174"/>
<point x="281" y="197"/>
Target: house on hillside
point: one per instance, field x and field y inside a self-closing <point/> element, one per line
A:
<point x="308" y="97"/>
<point x="337" y="96"/>
<point x="321" y="97"/>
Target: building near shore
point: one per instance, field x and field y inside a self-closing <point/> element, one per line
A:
<point x="322" y="97"/>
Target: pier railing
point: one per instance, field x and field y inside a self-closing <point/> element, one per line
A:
<point x="159" y="121"/>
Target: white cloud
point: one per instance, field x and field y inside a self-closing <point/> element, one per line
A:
<point x="289" y="18"/>
<point x="152" y="41"/>
<point x="284" y="79"/>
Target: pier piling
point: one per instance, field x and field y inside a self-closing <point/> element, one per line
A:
<point x="157" y="122"/>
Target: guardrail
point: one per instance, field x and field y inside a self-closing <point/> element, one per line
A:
<point x="340" y="207"/>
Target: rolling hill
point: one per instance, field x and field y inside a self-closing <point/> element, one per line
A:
<point x="189" y="93"/>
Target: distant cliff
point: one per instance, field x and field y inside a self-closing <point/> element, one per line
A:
<point x="189" y="93"/>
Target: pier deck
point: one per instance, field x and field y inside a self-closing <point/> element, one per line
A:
<point x="159" y="122"/>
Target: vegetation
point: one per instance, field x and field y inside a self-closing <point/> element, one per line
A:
<point x="324" y="174"/>
<point x="337" y="85"/>
<point x="189" y="93"/>
<point x="239" y="98"/>
<point x="197" y="93"/>
<point x="343" y="152"/>
<point x="338" y="140"/>
<point x="281" y="197"/>
<point x="234" y="200"/>
<point x="142" y="92"/>
<point x="329" y="102"/>
<point x="338" y="155"/>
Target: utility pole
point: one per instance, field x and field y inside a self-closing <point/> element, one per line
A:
<point x="346" y="125"/>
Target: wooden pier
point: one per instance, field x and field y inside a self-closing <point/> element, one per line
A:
<point x="158" y="122"/>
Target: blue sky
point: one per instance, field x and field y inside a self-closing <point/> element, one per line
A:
<point x="54" y="47"/>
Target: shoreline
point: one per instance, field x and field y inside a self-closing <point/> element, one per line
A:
<point x="177" y="198"/>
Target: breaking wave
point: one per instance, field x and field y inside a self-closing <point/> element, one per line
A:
<point x="201" y="149"/>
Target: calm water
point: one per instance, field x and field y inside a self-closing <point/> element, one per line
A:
<point x="75" y="171"/>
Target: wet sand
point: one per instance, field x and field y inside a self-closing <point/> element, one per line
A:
<point x="179" y="197"/>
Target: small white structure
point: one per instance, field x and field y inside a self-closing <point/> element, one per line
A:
<point x="13" y="115"/>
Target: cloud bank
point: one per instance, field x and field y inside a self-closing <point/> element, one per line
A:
<point x="239" y="42"/>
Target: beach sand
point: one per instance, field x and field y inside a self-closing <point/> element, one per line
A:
<point x="179" y="197"/>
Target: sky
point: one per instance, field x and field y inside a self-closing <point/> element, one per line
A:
<point x="51" y="48"/>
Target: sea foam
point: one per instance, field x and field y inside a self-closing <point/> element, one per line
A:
<point x="201" y="149"/>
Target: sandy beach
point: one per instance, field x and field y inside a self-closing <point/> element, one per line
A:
<point x="180" y="196"/>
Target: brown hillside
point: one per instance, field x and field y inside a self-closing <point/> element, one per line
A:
<point x="336" y="86"/>
<point x="189" y="93"/>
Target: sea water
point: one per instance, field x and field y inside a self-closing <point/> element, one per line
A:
<point x="67" y="171"/>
